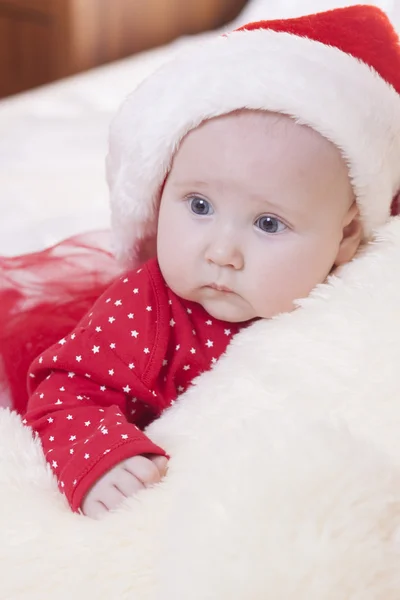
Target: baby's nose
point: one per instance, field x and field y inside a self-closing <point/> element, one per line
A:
<point x="224" y="251"/>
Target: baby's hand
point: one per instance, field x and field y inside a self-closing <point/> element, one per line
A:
<point x="122" y="481"/>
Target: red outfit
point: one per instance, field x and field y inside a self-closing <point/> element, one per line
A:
<point x="122" y="366"/>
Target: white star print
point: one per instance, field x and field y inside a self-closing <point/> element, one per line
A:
<point x="80" y="397"/>
<point x="111" y="372"/>
<point x="118" y="303"/>
<point x="75" y="481"/>
<point x="149" y="308"/>
<point x="88" y="375"/>
<point x="180" y="388"/>
<point x="62" y="484"/>
<point x="146" y="351"/>
<point x="96" y="349"/>
<point x="136" y="291"/>
<point x="131" y="366"/>
<point x="192" y="351"/>
<point x="55" y="358"/>
<point x="58" y="401"/>
<point x="98" y="329"/>
<point x="126" y="389"/>
<point x="50" y="420"/>
<point x="54" y="464"/>
<point x="106" y="451"/>
<point x="62" y="389"/>
<point x="172" y="322"/>
<point x="108" y="300"/>
<point x="32" y="375"/>
<point x="130" y="316"/>
<point x="104" y="430"/>
<point x="164" y="362"/>
<point x="78" y="358"/>
<point x="177" y="347"/>
<point x="69" y="418"/>
<point x="213" y="360"/>
<point x="41" y="360"/>
<point x="73" y="336"/>
<point x="103" y="388"/>
<point x="133" y="400"/>
<point x="111" y="319"/>
<point x="125" y="280"/>
<point x="227" y="331"/>
<point x="72" y="438"/>
<point x="71" y="451"/>
<point x="209" y="344"/>
<point x="124" y="436"/>
<point x="41" y="396"/>
<point x="62" y="342"/>
<point x="112" y="345"/>
<point x="209" y="322"/>
<point x="134" y="333"/>
<point x="186" y="367"/>
<point x="170" y="302"/>
<point x="51" y="438"/>
<point x="86" y="456"/>
<point x="87" y="423"/>
<point x="189" y="311"/>
<point x="71" y="375"/>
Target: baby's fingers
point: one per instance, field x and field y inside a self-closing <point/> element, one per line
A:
<point x="127" y="483"/>
<point x="100" y="500"/>
<point x="161" y="463"/>
<point x="94" y="509"/>
<point x="144" y="469"/>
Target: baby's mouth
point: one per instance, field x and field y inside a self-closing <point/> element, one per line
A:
<point x="220" y="288"/>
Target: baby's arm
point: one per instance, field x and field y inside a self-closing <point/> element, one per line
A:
<point x="84" y="430"/>
<point x="88" y="402"/>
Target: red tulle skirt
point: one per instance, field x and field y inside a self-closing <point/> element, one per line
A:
<point x="43" y="296"/>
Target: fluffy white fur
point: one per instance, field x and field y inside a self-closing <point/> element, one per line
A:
<point x="284" y="481"/>
<point x="321" y="86"/>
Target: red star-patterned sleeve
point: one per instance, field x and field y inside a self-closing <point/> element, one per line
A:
<point x="90" y="395"/>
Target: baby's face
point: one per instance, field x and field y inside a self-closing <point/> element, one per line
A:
<point x="252" y="215"/>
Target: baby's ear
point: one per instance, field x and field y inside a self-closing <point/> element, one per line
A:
<point x="352" y="236"/>
<point x="395" y="207"/>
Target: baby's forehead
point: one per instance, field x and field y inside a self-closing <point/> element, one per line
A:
<point x="258" y="126"/>
<point x="256" y="137"/>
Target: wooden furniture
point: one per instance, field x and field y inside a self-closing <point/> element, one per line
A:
<point x="45" y="40"/>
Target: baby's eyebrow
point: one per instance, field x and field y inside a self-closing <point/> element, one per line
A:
<point x="194" y="183"/>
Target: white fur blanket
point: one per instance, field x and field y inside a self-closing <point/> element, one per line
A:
<point x="284" y="481"/>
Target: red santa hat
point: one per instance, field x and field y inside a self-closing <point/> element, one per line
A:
<point x="337" y="72"/>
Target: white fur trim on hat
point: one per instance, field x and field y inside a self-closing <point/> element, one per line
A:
<point x="336" y="94"/>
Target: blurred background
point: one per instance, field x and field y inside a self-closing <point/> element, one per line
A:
<point x="45" y="40"/>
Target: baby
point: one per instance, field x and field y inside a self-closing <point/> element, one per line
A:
<point x="252" y="210"/>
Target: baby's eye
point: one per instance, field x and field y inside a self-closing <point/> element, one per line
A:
<point x="200" y="206"/>
<point x="270" y="224"/>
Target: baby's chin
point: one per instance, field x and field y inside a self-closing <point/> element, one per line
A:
<point x="228" y="311"/>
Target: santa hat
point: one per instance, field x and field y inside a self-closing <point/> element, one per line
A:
<point x="337" y="71"/>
